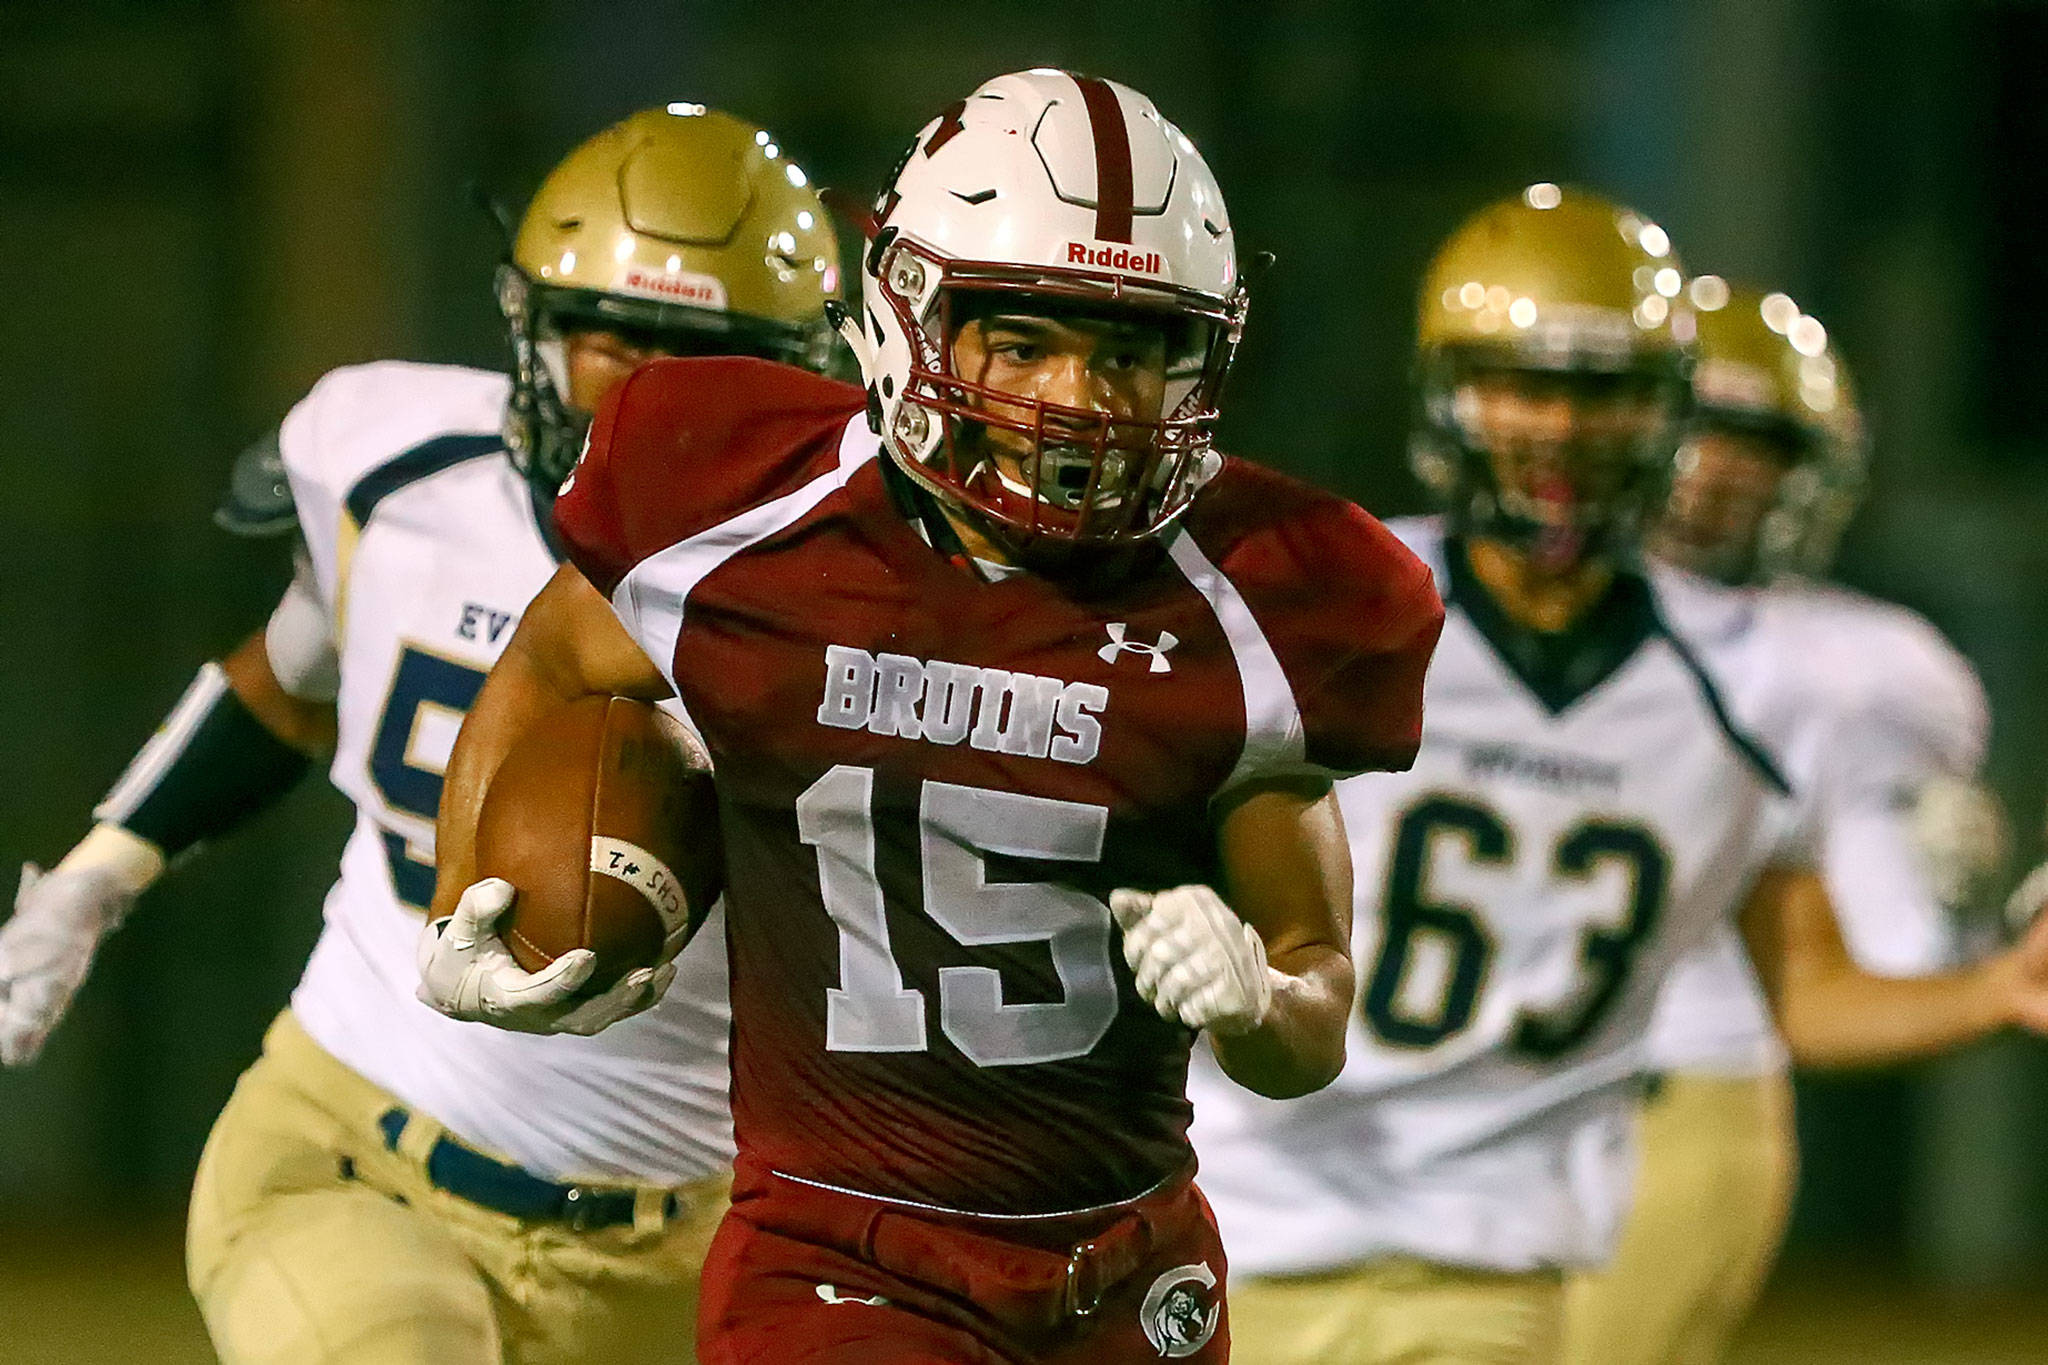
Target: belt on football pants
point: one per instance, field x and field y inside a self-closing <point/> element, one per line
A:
<point x="468" y="1174"/>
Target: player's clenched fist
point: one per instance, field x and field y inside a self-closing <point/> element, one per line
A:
<point x="467" y="972"/>
<point x="1194" y="959"/>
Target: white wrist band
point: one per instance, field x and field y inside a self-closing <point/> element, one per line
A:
<point x="124" y="857"/>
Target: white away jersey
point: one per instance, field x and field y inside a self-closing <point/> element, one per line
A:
<point x="1520" y="894"/>
<point x="427" y="545"/>
<point x="1878" y="705"/>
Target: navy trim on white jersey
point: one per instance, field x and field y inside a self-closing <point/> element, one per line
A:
<point x="427" y="458"/>
<point x="211" y="766"/>
<point x="1751" y="749"/>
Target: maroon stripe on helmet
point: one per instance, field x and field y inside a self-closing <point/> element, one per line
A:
<point x="949" y="127"/>
<point x="1112" y="160"/>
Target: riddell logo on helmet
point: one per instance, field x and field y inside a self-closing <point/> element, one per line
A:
<point x="1115" y="258"/>
<point x="702" y="291"/>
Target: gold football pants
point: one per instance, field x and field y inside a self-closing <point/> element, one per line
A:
<point x="1719" y="1159"/>
<point x="313" y="1243"/>
<point x="1396" y="1310"/>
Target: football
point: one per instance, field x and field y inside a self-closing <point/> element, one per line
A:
<point x="604" y="817"/>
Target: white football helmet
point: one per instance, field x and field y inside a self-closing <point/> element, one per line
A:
<point x="1064" y="192"/>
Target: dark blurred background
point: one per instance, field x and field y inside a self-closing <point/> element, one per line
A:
<point x="206" y="203"/>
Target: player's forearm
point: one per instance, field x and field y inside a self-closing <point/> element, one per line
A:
<point x="1844" y="1017"/>
<point x="1831" y="1012"/>
<point x="520" y="690"/>
<point x="233" y="745"/>
<point x="1299" y="1047"/>
<point x="1289" y="870"/>
<point x="213" y="762"/>
<point x="568" y="645"/>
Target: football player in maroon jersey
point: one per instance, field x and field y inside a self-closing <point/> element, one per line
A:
<point x="1003" y="668"/>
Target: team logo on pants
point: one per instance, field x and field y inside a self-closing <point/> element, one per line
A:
<point x="1177" y="1314"/>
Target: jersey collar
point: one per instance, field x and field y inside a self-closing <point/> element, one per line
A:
<point x="1557" y="667"/>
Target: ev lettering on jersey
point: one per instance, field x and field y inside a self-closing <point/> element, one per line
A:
<point x="480" y="622"/>
<point x="992" y="709"/>
<point x="1115" y="258"/>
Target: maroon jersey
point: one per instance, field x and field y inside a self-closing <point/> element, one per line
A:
<point x="930" y="782"/>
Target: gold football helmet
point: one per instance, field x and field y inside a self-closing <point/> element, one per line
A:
<point x="683" y="229"/>
<point x="1553" y="345"/>
<point x="1775" y="462"/>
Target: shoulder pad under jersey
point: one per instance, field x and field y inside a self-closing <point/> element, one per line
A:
<point x="360" y="417"/>
<point x="363" y="430"/>
<point x="688" y="444"/>
<point x="1349" y="612"/>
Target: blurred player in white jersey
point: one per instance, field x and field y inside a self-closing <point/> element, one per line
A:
<point x="1592" y="800"/>
<point x="387" y="1184"/>
<point x="1907" y="838"/>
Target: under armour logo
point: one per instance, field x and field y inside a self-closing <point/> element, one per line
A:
<point x="1117" y="645"/>
<point x="830" y="1294"/>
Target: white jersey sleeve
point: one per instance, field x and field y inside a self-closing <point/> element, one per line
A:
<point x="299" y="640"/>
<point x="1902" y="709"/>
<point x="349" y="424"/>
<point x="1872" y="704"/>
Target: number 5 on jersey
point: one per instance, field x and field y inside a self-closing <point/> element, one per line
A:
<point x="426" y="691"/>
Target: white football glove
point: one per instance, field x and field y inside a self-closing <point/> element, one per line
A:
<point x="467" y="972"/>
<point x="60" y="919"/>
<point x="1194" y="959"/>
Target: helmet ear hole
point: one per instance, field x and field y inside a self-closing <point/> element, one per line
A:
<point x="877" y="249"/>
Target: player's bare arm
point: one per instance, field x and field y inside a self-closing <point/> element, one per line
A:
<point x="1833" y="1013"/>
<point x="1262" y="965"/>
<point x="307" y="725"/>
<point x="569" y="645"/>
<point x="1289" y="876"/>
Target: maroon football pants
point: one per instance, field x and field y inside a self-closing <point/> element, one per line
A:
<point x="802" y="1273"/>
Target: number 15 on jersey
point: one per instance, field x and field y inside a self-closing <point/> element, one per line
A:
<point x="872" y="1010"/>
